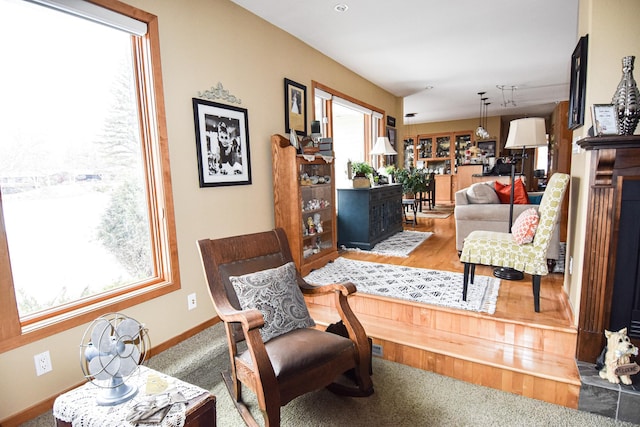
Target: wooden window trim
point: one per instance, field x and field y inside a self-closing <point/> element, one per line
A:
<point x="367" y="125"/>
<point x="13" y="332"/>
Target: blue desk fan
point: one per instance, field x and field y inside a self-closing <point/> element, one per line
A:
<point x="112" y="348"/>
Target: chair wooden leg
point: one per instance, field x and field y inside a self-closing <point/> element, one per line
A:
<point x="465" y="280"/>
<point x="473" y="273"/>
<point x="536" y="292"/>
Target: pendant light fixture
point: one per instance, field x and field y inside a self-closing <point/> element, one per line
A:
<point x="481" y="133"/>
<point x="508" y="100"/>
<point x="486" y="120"/>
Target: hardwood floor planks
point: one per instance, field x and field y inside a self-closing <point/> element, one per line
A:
<point x="515" y="349"/>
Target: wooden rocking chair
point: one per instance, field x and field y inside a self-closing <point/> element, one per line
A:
<point x="291" y="364"/>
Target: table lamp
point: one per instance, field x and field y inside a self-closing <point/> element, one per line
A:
<point x="383" y="147"/>
<point x="523" y="133"/>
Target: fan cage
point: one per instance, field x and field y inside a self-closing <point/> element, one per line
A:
<point x="141" y="341"/>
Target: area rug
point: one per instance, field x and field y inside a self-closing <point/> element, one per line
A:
<point x="400" y="244"/>
<point x="443" y="288"/>
<point x="438" y="212"/>
<point x="432" y="214"/>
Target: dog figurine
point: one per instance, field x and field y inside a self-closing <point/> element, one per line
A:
<point x="618" y="352"/>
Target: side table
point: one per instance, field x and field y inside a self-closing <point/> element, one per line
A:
<point x="78" y="406"/>
<point x="413" y="204"/>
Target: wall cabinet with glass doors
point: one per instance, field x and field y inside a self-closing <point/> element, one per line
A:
<point x="440" y="153"/>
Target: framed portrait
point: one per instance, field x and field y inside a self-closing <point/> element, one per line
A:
<point x="605" y="119"/>
<point x="295" y="107"/>
<point x="222" y="144"/>
<point x="578" y="83"/>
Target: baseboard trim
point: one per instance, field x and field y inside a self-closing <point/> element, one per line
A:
<point x="47" y="404"/>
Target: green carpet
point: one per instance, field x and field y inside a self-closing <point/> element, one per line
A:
<point x="404" y="396"/>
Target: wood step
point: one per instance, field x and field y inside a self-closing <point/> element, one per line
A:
<point x="473" y="354"/>
<point x="553" y="339"/>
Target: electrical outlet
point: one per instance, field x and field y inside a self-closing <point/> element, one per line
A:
<point x="570" y="265"/>
<point x="43" y="363"/>
<point x="192" y="302"/>
<point x="376" y="350"/>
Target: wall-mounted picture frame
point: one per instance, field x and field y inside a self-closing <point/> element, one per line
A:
<point x="295" y="107"/>
<point x="222" y="142"/>
<point x="605" y="119"/>
<point x="392" y="135"/>
<point x="391" y="121"/>
<point x="578" y="83"/>
<point x="488" y="148"/>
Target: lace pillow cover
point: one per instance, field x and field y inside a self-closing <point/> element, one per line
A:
<point x="275" y="293"/>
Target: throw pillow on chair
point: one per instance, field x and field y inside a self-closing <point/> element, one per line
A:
<point x="524" y="229"/>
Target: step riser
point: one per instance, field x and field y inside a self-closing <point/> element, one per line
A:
<point x="551" y="340"/>
<point x="500" y="378"/>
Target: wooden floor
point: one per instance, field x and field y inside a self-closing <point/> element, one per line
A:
<point x="515" y="349"/>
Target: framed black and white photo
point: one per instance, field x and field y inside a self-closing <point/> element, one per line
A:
<point x="222" y="141"/>
<point x="578" y="83"/>
<point x="605" y="119"/>
<point x="295" y="107"/>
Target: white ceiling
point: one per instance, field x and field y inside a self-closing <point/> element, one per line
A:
<point x="459" y="47"/>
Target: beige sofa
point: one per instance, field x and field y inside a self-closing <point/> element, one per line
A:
<point x="478" y="208"/>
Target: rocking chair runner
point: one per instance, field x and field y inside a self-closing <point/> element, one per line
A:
<point x="295" y="362"/>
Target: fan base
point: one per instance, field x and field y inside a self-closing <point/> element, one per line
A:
<point x="508" y="273"/>
<point x="116" y="395"/>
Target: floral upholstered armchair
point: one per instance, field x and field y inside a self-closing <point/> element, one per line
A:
<point x="504" y="250"/>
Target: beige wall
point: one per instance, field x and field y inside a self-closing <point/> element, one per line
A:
<point x="614" y="32"/>
<point x="203" y="42"/>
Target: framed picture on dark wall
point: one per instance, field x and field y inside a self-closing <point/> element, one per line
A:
<point x="222" y="141"/>
<point x="295" y="107"/>
<point x="578" y="83"/>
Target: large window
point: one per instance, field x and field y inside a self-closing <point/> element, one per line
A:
<point x="86" y="219"/>
<point x="353" y="125"/>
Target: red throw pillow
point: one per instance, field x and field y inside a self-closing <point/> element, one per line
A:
<point x="520" y="196"/>
<point x="524" y="229"/>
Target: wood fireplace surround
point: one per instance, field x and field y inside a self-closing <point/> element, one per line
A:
<point x="614" y="160"/>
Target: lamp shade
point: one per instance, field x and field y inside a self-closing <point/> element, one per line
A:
<point x="529" y="132"/>
<point x="383" y="147"/>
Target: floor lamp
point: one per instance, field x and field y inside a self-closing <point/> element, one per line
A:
<point x="523" y="134"/>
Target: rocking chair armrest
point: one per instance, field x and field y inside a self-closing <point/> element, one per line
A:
<point x="250" y="318"/>
<point x="346" y="288"/>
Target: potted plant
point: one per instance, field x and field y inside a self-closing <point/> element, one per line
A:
<point x="413" y="181"/>
<point x="362" y="172"/>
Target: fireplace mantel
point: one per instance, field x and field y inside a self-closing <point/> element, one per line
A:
<point x="614" y="159"/>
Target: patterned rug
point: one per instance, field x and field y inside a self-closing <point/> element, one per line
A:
<point x="431" y="214"/>
<point x="400" y="244"/>
<point x="559" y="267"/>
<point x="435" y="287"/>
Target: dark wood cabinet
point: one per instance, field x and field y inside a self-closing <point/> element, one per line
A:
<point x="368" y="215"/>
